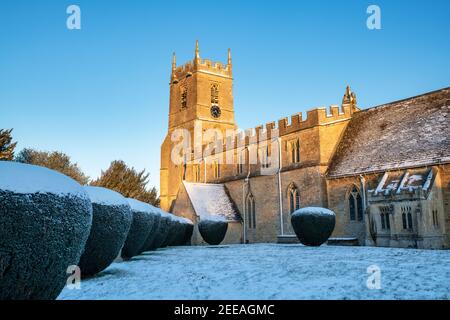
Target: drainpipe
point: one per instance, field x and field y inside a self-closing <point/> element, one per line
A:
<point x="363" y="191"/>
<point x="367" y="219"/>
<point x="279" y="186"/>
<point x="243" y="201"/>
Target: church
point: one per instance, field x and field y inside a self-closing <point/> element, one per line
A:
<point x="384" y="170"/>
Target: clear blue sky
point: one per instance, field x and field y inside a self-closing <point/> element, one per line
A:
<point x="101" y="93"/>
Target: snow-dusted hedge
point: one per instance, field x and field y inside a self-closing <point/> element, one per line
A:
<point x="45" y="218"/>
<point x="143" y="220"/>
<point x="189" y="230"/>
<point x="162" y="232"/>
<point x="312" y="225"/>
<point x="176" y="230"/>
<point x="148" y="244"/>
<point x="169" y="230"/>
<point x="213" y="229"/>
<point x="111" y="222"/>
<point x="184" y="232"/>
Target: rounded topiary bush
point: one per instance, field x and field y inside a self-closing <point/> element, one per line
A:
<point x="184" y="232"/>
<point x="175" y="231"/>
<point x="111" y="222"/>
<point x="141" y="225"/>
<point x="313" y="226"/>
<point x="188" y="231"/>
<point x="45" y="218"/>
<point x="168" y="232"/>
<point x="148" y="244"/>
<point x="162" y="232"/>
<point x="213" y="230"/>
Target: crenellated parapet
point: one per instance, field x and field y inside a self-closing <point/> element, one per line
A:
<point x="314" y="117"/>
<point x="286" y="126"/>
<point x="200" y="65"/>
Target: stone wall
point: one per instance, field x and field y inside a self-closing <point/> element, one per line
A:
<point x="338" y="190"/>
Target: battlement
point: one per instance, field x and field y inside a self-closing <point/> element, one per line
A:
<point x="314" y="117"/>
<point x="285" y="126"/>
<point x="205" y="65"/>
<point x="200" y="65"/>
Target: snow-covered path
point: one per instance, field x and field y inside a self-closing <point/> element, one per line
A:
<point x="272" y="271"/>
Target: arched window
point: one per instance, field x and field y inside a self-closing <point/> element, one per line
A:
<point x="183" y="97"/>
<point x="355" y="205"/>
<point x="250" y="211"/>
<point x="295" y="151"/>
<point x="294" y="198"/>
<point x="241" y="161"/>
<point x="216" y="169"/>
<point x="215" y="94"/>
<point x="407" y="218"/>
<point x="384" y="215"/>
<point x="264" y="155"/>
<point x="196" y="169"/>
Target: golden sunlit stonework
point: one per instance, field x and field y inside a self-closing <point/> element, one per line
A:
<point x="384" y="171"/>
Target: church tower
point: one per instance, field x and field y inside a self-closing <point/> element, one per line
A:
<point x="201" y="94"/>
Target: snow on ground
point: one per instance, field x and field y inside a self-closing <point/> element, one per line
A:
<point x="272" y="271"/>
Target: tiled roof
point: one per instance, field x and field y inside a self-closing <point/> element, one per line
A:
<point x="402" y="134"/>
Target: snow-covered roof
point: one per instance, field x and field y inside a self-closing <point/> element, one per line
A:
<point x="28" y="179"/>
<point x="406" y="181"/>
<point x="104" y="196"/>
<point x="211" y="201"/>
<point x="403" y="134"/>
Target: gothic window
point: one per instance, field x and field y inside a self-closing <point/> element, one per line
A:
<point x="355" y="205"/>
<point x="359" y="207"/>
<point x="405" y="226"/>
<point x="184" y="168"/>
<point x="196" y="169"/>
<point x="388" y="223"/>
<point x="250" y="211"/>
<point x="410" y="226"/>
<point x="385" y="223"/>
<point x="216" y="170"/>
<point x="241" y="161"/>
<point x="215" y="94"/>
<point x="435" y="218"/>
<point x="295" y="151"/>
<point x="294" y="198"/>
<point x="264" y="156"/>
<point x="183" y="97"/>
<point x="407" y="218"/>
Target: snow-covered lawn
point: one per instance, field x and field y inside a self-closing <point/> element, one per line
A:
<point x="272" y="271"/>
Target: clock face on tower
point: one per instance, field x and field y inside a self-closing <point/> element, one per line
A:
<point x="215" y="111"/>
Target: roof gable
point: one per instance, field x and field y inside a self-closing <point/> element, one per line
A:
<point x="211" y="200"/>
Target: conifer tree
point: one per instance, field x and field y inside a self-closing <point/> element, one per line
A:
<point x="53" y="160"/>
<point x="6" y="145"/>
<point x="127" y="181"/>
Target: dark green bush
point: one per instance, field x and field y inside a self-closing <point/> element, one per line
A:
<point x="111" y="222"/>
<point x="42" y="232"/>
<point x="142" y="223"/>
<point x="313" y="226"/>
<point x="213" y="231"/>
